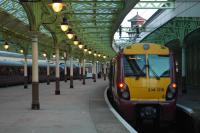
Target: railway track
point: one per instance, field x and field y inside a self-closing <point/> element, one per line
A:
<point x="149" y="127"/>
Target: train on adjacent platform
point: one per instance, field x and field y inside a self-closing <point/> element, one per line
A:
<point x="143" y="83"/>
<point x="12" y="70"/>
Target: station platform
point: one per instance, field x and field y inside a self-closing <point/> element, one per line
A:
<point x="81" y="109"/>
<point x="189" y="104"/>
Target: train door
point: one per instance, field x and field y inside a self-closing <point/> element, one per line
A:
<point x="135" y="75"/>
<point x="158" y="75"/>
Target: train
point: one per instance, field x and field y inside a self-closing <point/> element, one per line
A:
<point x="143" y="83"/>
<point x="12" y="70"/>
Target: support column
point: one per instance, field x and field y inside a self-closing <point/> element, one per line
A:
<point x="184" y="89"/>
<point x="25" y="72"/>
<point x="65" y="57"/>
<point x="94" y="71"/>
<point x="80" y="73"/>
<point x="104" y="71"/>
<point x="57" y="91"/>
<point x="65" y="70"/>
<point x="48" y="73"/>
<point x="96" y="63"/>
<point x="71" y="73"/>
<point x="84" y="71"/>
<point x="35" y="85"/>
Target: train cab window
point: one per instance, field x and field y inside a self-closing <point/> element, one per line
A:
<point x="159" y="65"/>
<point x="134" y="65"/>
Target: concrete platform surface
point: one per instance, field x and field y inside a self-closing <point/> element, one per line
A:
<point x="78" y="110"/>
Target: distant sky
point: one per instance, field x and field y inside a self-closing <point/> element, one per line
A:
<point x="145" y="13"/>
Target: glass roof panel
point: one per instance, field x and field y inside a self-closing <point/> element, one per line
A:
<point x="45" y="31"/>
<point x="13" y="7"/>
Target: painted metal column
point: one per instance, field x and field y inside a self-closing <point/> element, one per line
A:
<point x="184" y="90"/>
<point x="104" y="70"/>
<point x="71" y="73"/>
<point x="183" y="62"/>
<point x="65" y="57"/>
<point x="65" y="70"/>
<point x="35" y="82"/>
<point x="94" y="71"/>
<point x="80" y="72"/>
<point x="96" y="63"/>
<point x="48" y="73"/>
<point x="57" y="91"/>
<point x="84" y="71"/>
<point x="25" y="72"/>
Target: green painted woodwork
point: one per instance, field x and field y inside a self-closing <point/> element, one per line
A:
<point x="158" y="4"/>
<point x="177" y="28"/>
<point x="94" y="22"/>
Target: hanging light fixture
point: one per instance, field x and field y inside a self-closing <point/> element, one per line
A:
<point x="85" y="49"/>
<point x="104" y="57"/>
<point x="21" y="51"/>
<point x="95" y="54"/>
<point x="80" y="45"/>
<point x="89" y="51"/>
<point x="99" y="55"/>
<point x="44" y="54"/>
<point x="70" y="34"/>
<point x="76" y="40"/>
<point x="6" y="45"/>
<point x="57" y="5"/>
<point x="64" y="25"/>
<point x="54" y="55"/>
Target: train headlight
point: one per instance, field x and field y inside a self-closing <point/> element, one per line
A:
<point x="171" y="91"/>
<point x="123" y="91"/>
<point x="125" y="94"/>
<point x="169" y="95"/>
<point x="121" y="85"/>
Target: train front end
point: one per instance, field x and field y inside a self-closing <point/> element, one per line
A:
<point x="146" y="85"/>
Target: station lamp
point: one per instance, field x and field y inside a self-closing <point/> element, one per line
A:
<point x="95" y="54"/>
<point x="21" y="51"/>
<point x="57" y="5"/>
<point x="6" y="45"/>
<point x="89" y="51"/>
<point x="70" y="34"/>
<point x="64" y="25"/>
<point x="80" y="45"/>
<point x="85" y="49"/>
<point x="44" y="54"/>
<point x="54" y="55"/>
<point x="76" y="40"/>
<point x="99" y="55"/>
<point x="104" y="57"/>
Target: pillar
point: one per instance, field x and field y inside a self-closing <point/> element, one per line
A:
<point x="25" y="72"/>
<point x="48" y="73"/>
<point x="184" y="90"/>
<point x="65" y="70"/>
<point x="94" y="71"/>
<point x="57" y="91"/>
<point x="83" y="61"/>
<point x="35" y="84"/>
<point x="71" y="73"/>
<point x="104" y="71"/>
<point x="80" y="72"/>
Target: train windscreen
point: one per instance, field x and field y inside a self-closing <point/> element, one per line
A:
<point x="134" y="65"/>
<point x="159" y="65"/>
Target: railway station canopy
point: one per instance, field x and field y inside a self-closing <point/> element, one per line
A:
<point x="92" y="23"/>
